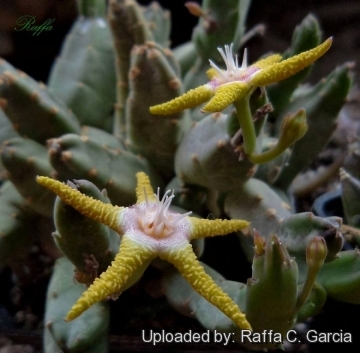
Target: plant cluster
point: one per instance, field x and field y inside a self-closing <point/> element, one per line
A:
<point x="113" y="122"/>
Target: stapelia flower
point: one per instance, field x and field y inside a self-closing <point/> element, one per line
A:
<point x="150" y="229"/>
<point x="236" y="82"/>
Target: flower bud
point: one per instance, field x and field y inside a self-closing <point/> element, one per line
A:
<point x="316" y="252"/>
<point x="293" y="128"/>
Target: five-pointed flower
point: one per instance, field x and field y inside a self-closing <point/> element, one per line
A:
<point x="150" y="229"/>
<point x="237" y="82"/>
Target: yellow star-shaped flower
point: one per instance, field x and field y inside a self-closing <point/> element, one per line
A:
<point x="150" y="229"/>
<point x="236" y="82"/>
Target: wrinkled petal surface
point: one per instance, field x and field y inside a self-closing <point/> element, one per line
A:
<point x="225" y="95"/>
<point x="190" y="268"/>
<point x="190" y="99"/>
<point x="286" y="68"/>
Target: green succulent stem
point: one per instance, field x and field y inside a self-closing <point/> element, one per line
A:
<point x="92" y="8"/>
<point x="268" y="155"/>
<point x="246" y="123"/>
<point x="307" y="288"/>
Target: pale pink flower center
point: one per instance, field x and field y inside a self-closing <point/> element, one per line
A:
<point x="155" y="219"/>
<point x="233" y="71"/>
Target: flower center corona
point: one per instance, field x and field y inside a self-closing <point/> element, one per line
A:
<point x="155" y="218"/>
<point x="232" y="66"/>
